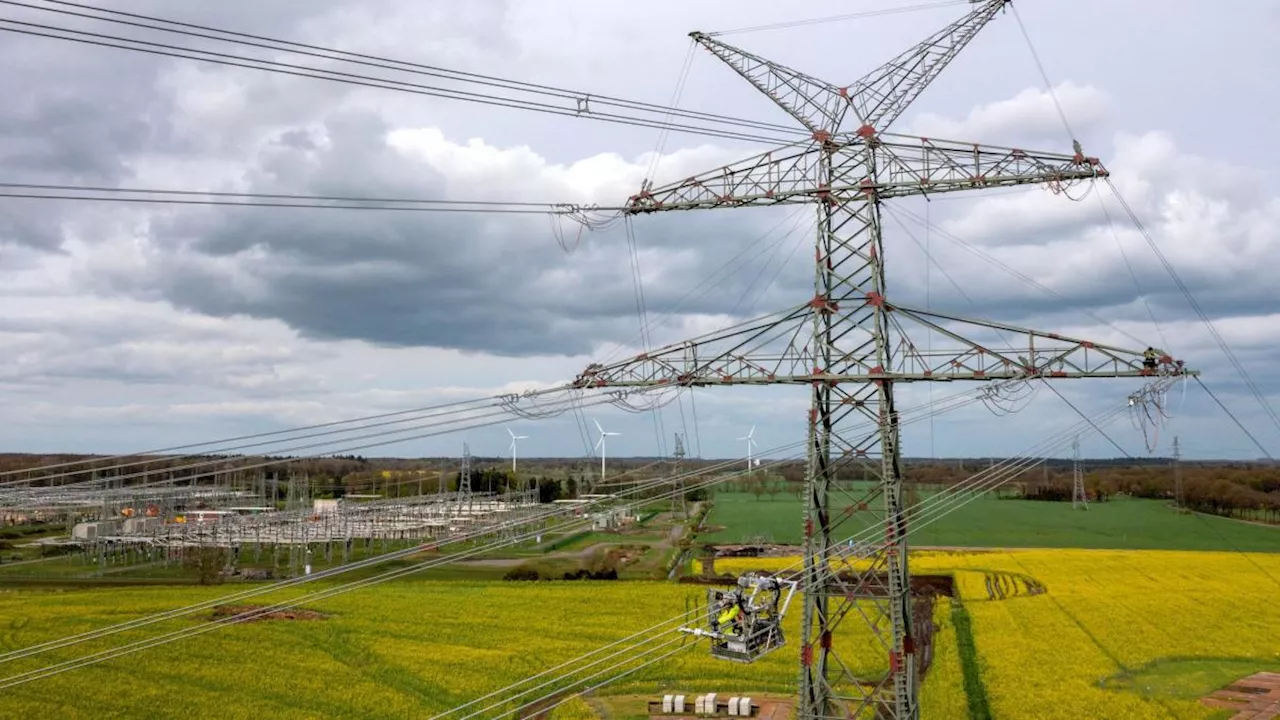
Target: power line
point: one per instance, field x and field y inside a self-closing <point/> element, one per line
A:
<point x="839" y="18"/>
<point x="1243" y="428"/>
<point x="392" y="64"/>
<point x="280" y="200"/>
<point x="1195" y="305"/>
<point x="581" y="108"/>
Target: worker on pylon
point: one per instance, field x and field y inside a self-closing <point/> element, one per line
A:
<point x="1149" y="358"/>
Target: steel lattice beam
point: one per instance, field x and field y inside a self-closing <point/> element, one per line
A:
<point x="907" y="166"/>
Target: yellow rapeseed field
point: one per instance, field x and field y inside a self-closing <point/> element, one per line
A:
<point x="1108" y="626"/>
<point x="1115" y="634"/>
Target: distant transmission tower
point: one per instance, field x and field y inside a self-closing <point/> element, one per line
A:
<point x="1177" y="473"/>
<point x="850" y="346"/>
<point x="1078" y="498"/>
<point x="676" y="470"/>
<point x="464" y="480"/>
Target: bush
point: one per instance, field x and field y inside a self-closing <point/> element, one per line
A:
<point x="522" y="572"/>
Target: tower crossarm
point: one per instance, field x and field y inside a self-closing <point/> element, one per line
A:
<point x="1017" y="353"/>
<point x="781" y="176"/>
<point x="880" y="97"/>
<point x="774" y="350"/>
<point x="816" y="104"/>
<point x="909" y="165"/>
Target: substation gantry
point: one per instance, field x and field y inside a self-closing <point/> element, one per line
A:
<point x="850" y="344"/>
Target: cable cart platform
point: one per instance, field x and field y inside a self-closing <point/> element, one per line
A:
<point x="745" y="623"/>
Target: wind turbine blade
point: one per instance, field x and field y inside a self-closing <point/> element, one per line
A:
<point x="600" y="441"/>
<point x="753" y="431"/>
<point x="597" y="422"/>
<point x="510" y="433"/>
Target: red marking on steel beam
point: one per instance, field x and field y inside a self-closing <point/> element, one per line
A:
<point x="866" y="131"/>
<point x="1078" y="158"/>
<point x="868" y="188"/>
<point x="928" y="373"/>
<point x="1058" y="373"/>
<point x="826" y="640"/>
<point x="1166" y="359"/>
<point x="860" y="453"/>
<point x="771" y="377"/>
<point x="1018" y="153"/>
<point x="847" y="511"/>
<point x="768" y="193"/>
<point x="862" y="506"/>
<point x="908" y="644"/>
<point x="808" y="528"/>
<point x="979" y="373"/>
<point x="823" y="304"/>
<point x="726" y="378"/>
<point x="875" y="299"/>
<point x="664" y="381"/>
<point x="823" y="192"/>
<point x="877" y="370"/>
<point x="813" y="416"/>
<point x="601" y="383"/>
<point x="1006" y="362"/>
<point x="1087" y="345"/>
<point x="726" y="198"/>
<point x="822" y="136"/>
<point x="806" y="655"/>
<point x="844" y="92"/>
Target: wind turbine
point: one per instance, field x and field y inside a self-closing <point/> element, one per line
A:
<point x="514" y="438"/>
<point x="600" y="444"/>
<point x="751" y="442"/>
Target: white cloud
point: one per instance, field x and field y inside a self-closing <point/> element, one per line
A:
<point x="1031" y="112"/>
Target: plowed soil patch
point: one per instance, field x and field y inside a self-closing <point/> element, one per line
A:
<point x="224" y="611"/>
<point x="1256" y="697"/>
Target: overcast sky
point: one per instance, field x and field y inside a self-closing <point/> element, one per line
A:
<point x="126" y="328"/>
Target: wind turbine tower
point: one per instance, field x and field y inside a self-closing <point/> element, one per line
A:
<point x="514" y="439"/>
<point x="601" y="444"/>
<point x="751" y="443"/>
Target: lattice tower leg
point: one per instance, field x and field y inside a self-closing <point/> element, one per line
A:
<point x="850" y="332"/>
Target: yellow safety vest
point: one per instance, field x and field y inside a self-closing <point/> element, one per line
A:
<point x="726" y="619"/>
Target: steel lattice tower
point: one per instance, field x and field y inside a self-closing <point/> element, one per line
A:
<point x="464" y="480"/>
<point x="1078" y="498"/>
<point x="850" y="345"/>
<point x="1177" y="473"/>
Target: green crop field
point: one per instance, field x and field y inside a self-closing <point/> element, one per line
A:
<point x="1122" y="523"/>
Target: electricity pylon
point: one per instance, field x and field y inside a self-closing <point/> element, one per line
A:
<point x="464" y="482"/>
<point x="1078" y="498"/>
<point x="850" y="345"/>
<point x="676" y="470"/>
<point x="1177" y="473"/>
